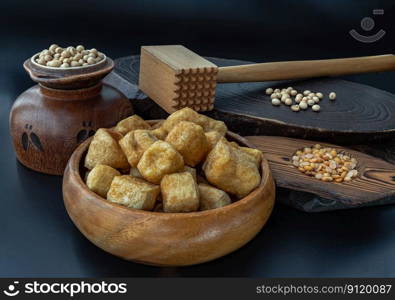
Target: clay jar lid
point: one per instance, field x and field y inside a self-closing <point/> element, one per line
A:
<point x="68" y="78"/>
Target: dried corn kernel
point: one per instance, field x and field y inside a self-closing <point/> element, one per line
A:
<point x="325" y="164"/>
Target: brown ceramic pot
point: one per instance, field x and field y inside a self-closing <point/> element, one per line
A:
<point x="49" y="120"/>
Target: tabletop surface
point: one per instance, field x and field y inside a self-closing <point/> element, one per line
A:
<point x="37" y="236"/>
<point x="39" y="239"/>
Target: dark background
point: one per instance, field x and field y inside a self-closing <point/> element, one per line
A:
<point x="37" y="237"/>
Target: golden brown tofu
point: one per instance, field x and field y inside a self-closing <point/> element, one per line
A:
<point x="133" y="192"/>
<point x="211" y="197"/>
<point x="229" y="169"/>
<point x="105" y="150"/>
<point x="135" y="172"/>
<point x="158" y="160"/>
<point x="253" y="154"/>
<point x="212" y="138"/>
<point x="210" y="124"/>
<point x="99" y="179"/>
<point x="134" y="143"/>
<point x="180" y="193"/>
<point x="160" y="133"/>
<point x="184" y="114"/>
<point x="131" y="123"/>
<point x="188" y="114"/>
<point x="190" y="170"/>
<point x="188" y="138"/>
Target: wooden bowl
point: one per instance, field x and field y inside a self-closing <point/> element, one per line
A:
<point x="165" y="239"/>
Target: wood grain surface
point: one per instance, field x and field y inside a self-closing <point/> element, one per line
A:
<point x="360" y="114"/>
<point x="176" y="77"/>
<point x="306" y="68"/>
<point x="165" y="239"/>
<point x="375" y="181"/>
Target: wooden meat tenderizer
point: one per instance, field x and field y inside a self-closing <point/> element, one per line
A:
<point x="175" y="77"/>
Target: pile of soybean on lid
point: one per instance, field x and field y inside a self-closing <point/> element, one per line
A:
<point x="69" y="57"/>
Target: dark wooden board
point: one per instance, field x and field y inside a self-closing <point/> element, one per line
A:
<point x="375" y="181"/>
<point x="124" y="78"/>
<point x="360" y="114"/>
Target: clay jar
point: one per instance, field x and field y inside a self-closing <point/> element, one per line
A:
<point x="49" y="120"/>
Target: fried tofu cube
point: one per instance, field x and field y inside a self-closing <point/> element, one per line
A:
<point x="105" y="150"/>
<point x="99" y="179"/>
<point x="188" y="138"/>
<point x="135" y="143"/>
<point x="229" y="169"/>
<point x="131" y="123"/>
<point x="160" y="133"/>
<point x="191" y="170"/>
<point x="212" y="138"/>
<point x="158" y="160"/>
<point x="180" y="193"/>
<point x="188" y="114"/>
<point x="184" y="114"/>
<point x="254" y="155"/>
<point x="135" y="172"/>
<point x="211" y="197"/>
<point x="210" y="124"/>
<point x="133" y="192"/>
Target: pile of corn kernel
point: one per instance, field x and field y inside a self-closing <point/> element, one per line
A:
<point x="58" y="57"/>
<point x="301" y="101"/>
<point x="325" y="164"/>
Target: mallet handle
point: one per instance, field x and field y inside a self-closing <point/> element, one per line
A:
<point x="304" y="69"/>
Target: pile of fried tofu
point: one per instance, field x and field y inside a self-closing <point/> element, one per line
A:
<point x="181" y="164"/>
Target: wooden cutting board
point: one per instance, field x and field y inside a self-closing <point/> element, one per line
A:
<point x="359" y="115"/>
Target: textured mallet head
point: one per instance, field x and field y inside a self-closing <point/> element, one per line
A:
<point x="175" y="77"/>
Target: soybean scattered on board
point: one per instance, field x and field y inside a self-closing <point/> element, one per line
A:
<point x="301" y="100"/>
